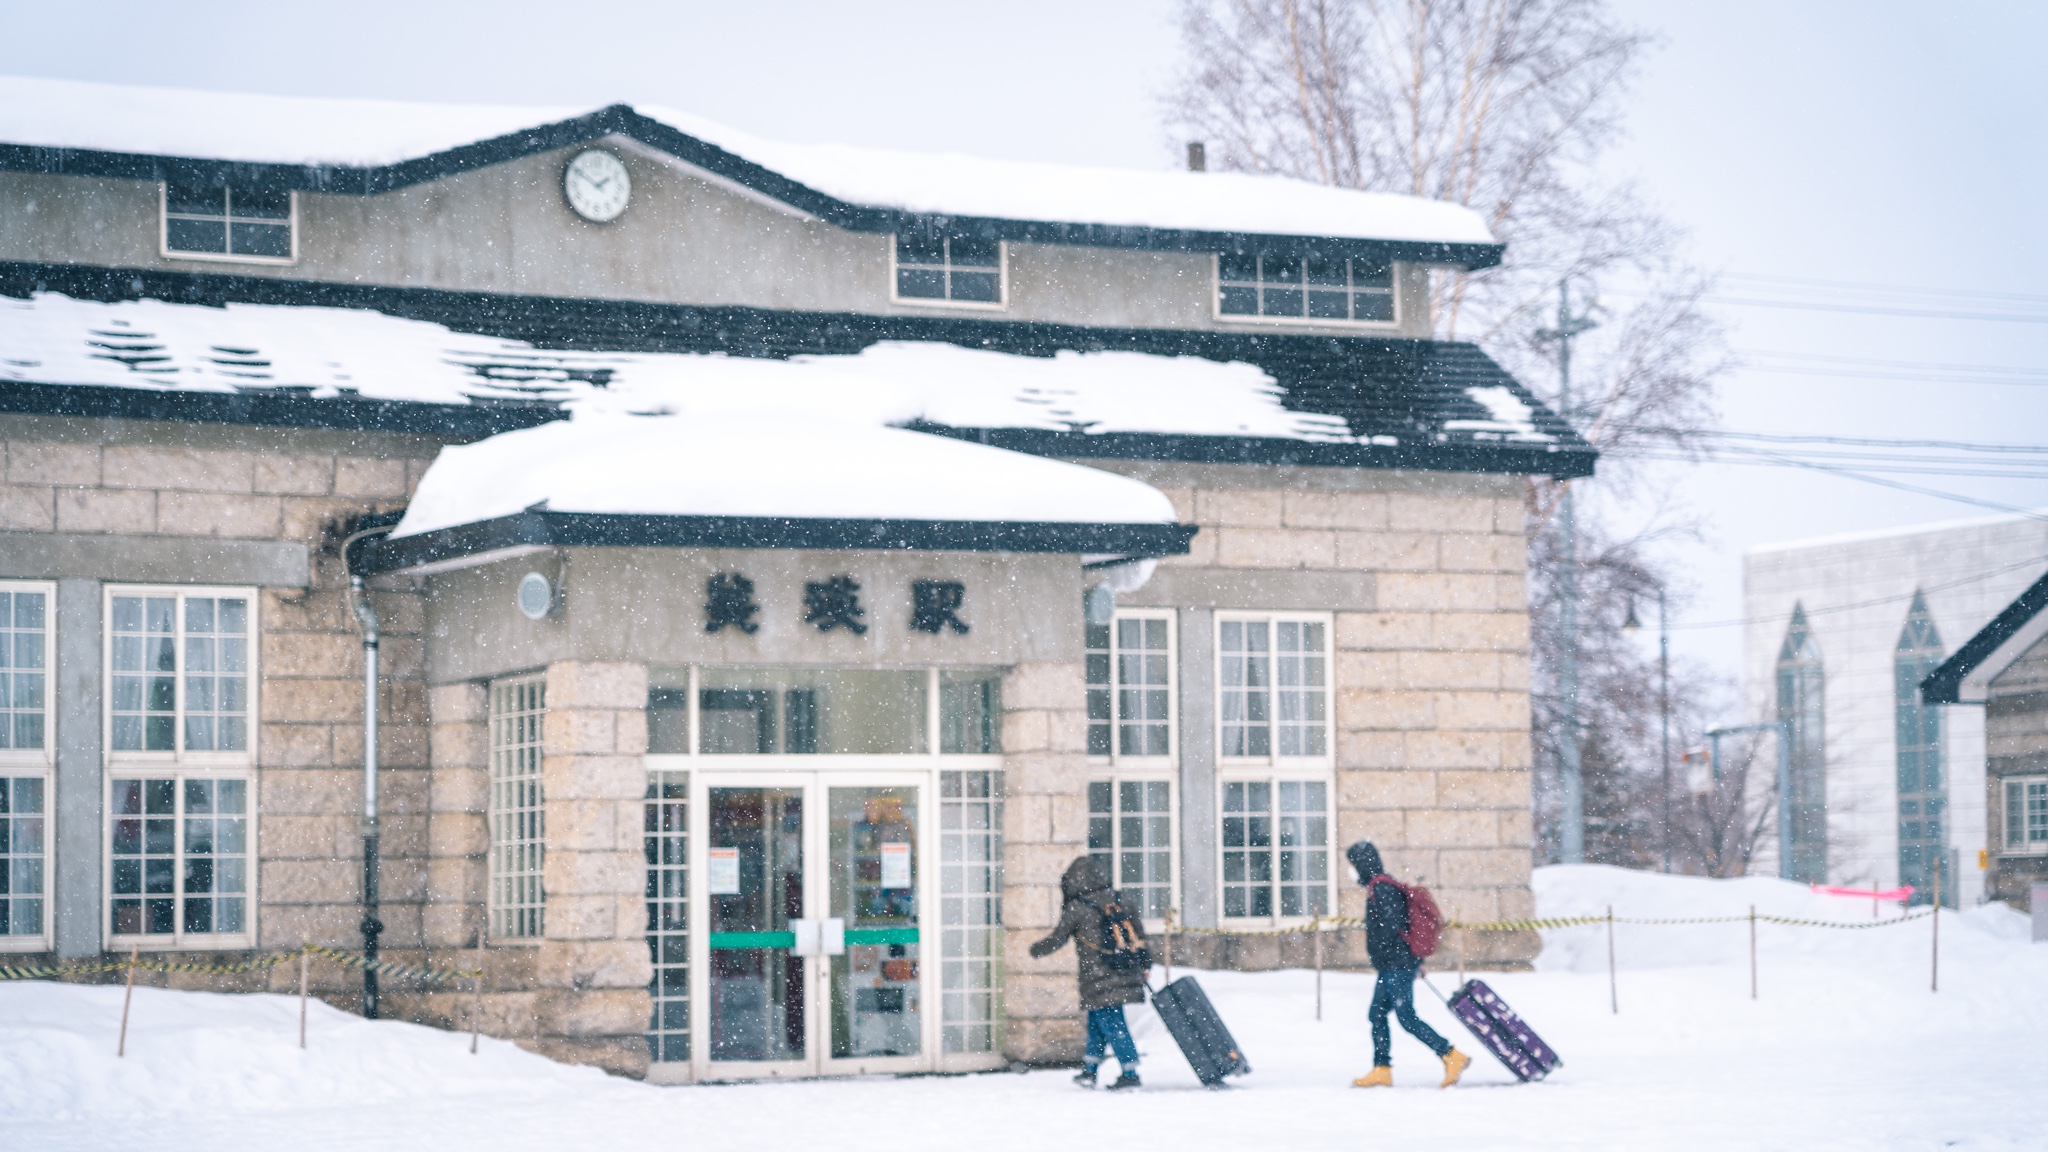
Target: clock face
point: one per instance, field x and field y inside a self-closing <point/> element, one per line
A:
<point x="597" y="185"/>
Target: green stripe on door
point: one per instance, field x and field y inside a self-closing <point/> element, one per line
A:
<point x="881" y="936"/>
<point x="754" y="939"/>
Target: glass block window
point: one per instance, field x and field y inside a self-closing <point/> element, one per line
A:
<point x="179" y="858"/>
<point x="1130" y="686"/>
<point x="1917" y="738"/>
<point x="24" y="669"/>
<point x="24" y="830"/>
<point x="668" y="914"/>
<point x="2026" y="814"/>
<point x="181" y="674"/>
<point x="1276" y="848"/>
<point x="1273" y="688"/>
<point x="232" y="222"/>
<point x="1306" y="288"/>
<point x="516" y="898"/>
<point x="951" y="268"/>
<point x="1130" y="829"/>
<point x="971" y="910"/>
<point x="1802" y="684"/>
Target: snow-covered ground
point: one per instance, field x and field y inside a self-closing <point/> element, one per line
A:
<point x="1846" y="1048"/>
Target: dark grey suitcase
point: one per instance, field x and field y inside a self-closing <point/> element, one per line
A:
<point x="1211" y="1051"/>
<point x="1514" y="1043"/>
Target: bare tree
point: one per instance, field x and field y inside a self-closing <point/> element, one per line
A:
<point x="1505" y="106"/>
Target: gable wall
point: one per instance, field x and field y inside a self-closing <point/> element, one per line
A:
<point x="684" y="240"/>
<point x="2016" y="740"/>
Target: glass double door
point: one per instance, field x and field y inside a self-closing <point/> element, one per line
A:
<point x="811" y="961"/>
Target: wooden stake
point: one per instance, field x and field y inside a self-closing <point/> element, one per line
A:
<point x="1316" y="928"/>
<point x="121" y="1048"/>
<point x="1752" y="951"/>
<point x="1166" y="954"/>
<point x="476" y="990"/>
<point x="1461" y="957"/>
<point x="305" y="962"/>
<point x="1613" y="992"/>
<point x="1934" y="979"/>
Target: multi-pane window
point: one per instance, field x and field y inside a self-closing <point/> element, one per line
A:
<point x="1276" y="848"/>
<point x="1923" y="792"/>
<point x="1130" y="687"/>
<point x="971" y="910"/>
<point x="24" y="807"/>
<point x="1130" y="829"/>
<point x="1273" y="688"/>
<point x="179" y="857"/>
<point x="2026" y="814"/>
<point x="24" y="670"/>
<point x="516" y="899"/>
<point x="231" y="222"/>
<point x="666" y="839"/>
<point x="1802" y="709"/>
<point x="954" y="268"/>
<point x="1307" y="288"/>
<point x="180" y="672"/>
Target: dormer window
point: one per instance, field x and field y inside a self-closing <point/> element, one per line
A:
<point x="229" y="223"/>
<point x="1309" y="289"/>
<point x="952" y="269"/>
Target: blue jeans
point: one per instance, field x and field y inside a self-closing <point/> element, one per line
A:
<point x="1108" y="1029"/>
<point x="1395" y="992"/>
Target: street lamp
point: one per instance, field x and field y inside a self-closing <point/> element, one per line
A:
<point x="1632" y="626"/>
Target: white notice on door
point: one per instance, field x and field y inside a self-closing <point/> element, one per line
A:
<point x="722" y="871"/>
<point x="895" y="865"/>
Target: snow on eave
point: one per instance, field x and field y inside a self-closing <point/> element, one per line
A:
<point x="309" y="131"/>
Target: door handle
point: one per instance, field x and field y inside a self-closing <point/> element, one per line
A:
<point x="809" y="940"/>
<point x="832" y="937"/>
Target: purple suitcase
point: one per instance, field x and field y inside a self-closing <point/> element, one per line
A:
<point x="1489" y="1018"/>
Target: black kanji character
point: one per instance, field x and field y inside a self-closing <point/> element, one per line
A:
<point x="731" y="602"/>
<point x="834" y="602"/>
<point x="935" y="604"/>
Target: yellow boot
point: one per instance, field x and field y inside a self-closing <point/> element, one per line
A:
<point x="1455" y="1063"/>
<point x="1381" y="1076"/>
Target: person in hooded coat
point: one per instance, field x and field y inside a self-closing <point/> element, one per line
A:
<point x="1085" y="892"/>
<point x="1386" y="925"/>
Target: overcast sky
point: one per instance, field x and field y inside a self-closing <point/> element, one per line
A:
<point x="1874" y="142"/>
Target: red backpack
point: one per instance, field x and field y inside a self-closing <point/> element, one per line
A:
<point x="1425" y="920"/>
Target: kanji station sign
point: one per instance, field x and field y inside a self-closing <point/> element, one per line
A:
<point x="935" y="605"/>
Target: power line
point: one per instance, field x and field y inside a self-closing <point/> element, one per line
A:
<point x="2030" y="562"/>
<point x="1796" y="282"/>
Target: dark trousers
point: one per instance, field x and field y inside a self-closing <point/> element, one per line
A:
<point x="1395" y="992"/>
<point x="1107" y="1029"/>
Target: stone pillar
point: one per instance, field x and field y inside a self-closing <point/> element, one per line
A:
<point x="1045" y="826"/>
<point x="592" y="970"/>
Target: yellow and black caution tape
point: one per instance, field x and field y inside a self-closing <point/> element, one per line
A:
<point x="1327" y="923"/>
<point x="351" y="959"/>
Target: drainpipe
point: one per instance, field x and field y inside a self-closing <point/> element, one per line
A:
<point x="366" y="617"/>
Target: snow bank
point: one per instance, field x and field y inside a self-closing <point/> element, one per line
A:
<point x="308" y="130"/>
<point x="757" y="464"/>
<point x="53" y="339"/>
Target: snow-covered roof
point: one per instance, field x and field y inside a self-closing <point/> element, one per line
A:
<point x="321" y="133"/>
<point x="739" y="464"/>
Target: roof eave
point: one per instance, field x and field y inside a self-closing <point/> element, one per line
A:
<point x="612" y="530"/>
<point x="1965" y="677"/>
<point x="279" y="407"/>
<point x="1562" y="461"/>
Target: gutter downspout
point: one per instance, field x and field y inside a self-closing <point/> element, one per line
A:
<point x="366" y="617"/>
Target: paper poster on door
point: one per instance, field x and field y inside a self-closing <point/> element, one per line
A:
<point x="895" y="865"/>
<point x="722" y="871"/>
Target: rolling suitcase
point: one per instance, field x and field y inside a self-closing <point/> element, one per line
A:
<point x="1199" y="1031"/>
<point x="1489" y="1018"/>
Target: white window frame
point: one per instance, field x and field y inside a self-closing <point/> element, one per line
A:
<point x="1115" y="781"/>
<point x="1395" y="270"/>
<point x="163" y="233"/>
<point x="181" y="765"/>
<point x="2009" y="788"/>
<point x="36" y="763"/>
<point x="1118" y="767"/>
<point x="1002" y="302"/>
<point x="1273" y="768"/>
<point x="515" y="919"/>
<point x="1274" y="780"/>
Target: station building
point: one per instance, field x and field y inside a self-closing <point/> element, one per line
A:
<point x="784" y="559"/>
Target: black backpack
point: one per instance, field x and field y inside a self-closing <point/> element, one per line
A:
<point x="1123" y="940"/>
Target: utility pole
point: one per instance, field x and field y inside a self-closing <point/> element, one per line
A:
<point x="1572" y="820"/>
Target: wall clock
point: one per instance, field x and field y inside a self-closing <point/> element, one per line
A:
<point x="597" y="185"/>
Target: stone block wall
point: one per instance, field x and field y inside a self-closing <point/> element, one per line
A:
<point x="1045" y="826"/>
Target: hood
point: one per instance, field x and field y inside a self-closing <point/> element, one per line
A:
<point x="1366" y="859"/>
<point x="1084" y="876"/>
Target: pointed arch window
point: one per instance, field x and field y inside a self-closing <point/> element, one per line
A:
<point x="1922" y="776"/>
<point x="1803" y="836"/>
